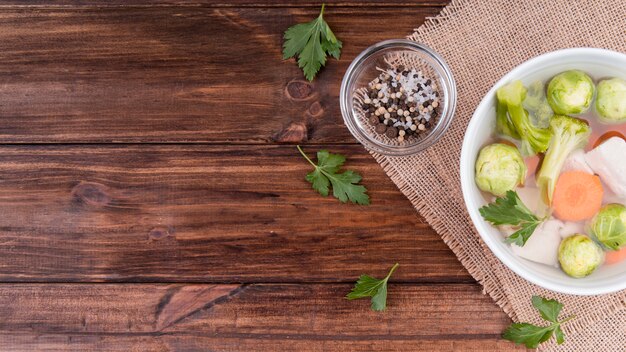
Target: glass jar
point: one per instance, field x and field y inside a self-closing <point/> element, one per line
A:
<point x="367" y="66"/>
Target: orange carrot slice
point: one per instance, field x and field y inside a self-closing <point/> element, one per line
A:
<point x="613" y="257"/>
<point x="577" y="196"/>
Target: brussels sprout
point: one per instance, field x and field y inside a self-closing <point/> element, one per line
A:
<point x="570" y="92"/>
<point x="499" y="168"/>
<point x="611" y="100"/>
<point x="537" y="105"/>
<point x="609" y="226"/>
<point x="579" y="255"/>
<point x="517" y="123"/>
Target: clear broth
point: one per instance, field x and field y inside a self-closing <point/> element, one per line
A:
<point x="598" y="131"/>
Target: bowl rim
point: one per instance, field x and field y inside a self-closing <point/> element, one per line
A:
<point x="466" y="161"/>
<point x="350" y="120"/>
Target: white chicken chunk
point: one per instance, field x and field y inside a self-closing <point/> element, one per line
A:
<point x="543" y="246"/>
<point x="608" y="160"/>
<point x="576" y="162"/>
<point x="610" y="197"/>
<point x="530" y="197"/>
<point x="569" y="228"/>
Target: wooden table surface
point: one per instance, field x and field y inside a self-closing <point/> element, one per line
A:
<point x="152" y="198"/>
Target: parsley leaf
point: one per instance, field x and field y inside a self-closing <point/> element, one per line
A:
<point x="522" y="235"/>
<point x="368" y="286"/>
<point x="558" y="333"/>
<point x="507" y="210"/>
<point x="311" y="42"/>
<point x="527" y="334"/>
<point x="532" y="335"/>
<point x="344" y="184"/>
<point x="548" y="308"/>
<point x="510" y="210"/>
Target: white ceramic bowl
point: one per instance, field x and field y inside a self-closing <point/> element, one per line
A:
<point x="598" y="63"/>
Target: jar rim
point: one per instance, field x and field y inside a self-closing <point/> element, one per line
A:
<point x="352" y="74"/>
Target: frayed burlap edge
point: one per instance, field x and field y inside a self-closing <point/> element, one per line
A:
<point x="490" y="284"/>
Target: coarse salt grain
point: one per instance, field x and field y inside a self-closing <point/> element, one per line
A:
<point x="401" y="87"/>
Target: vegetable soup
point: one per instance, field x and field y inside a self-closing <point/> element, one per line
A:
<point x="555" y="171"/>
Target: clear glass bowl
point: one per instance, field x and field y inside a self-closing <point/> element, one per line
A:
<point x="364" y="69"/>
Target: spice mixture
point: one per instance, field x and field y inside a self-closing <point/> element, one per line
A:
<point x="401" y="103"/>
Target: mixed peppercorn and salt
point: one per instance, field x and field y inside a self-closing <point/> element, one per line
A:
<point x="401" y="103"/>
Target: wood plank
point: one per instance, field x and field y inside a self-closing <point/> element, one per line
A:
<point x="74" y="342"/>
<point x="176" y="74"/>
<point x="215" y="3"/>
<point x="203" y="214"/>
<point x="251" y="317"/>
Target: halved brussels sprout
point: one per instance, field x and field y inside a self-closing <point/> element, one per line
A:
<point x="570" y="92"/>
<point x="513" y="120"/>
<point x="537" y="105"/>
<point x="579" y="255"/>
<point x="499" y="168"/>
<point x="611" y="100"/>
<point x="609" y="226"/>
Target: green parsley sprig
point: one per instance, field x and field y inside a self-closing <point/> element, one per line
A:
<point x="344" y="184"/>
<point x="368" y="286"/>
<point x="532" y="335"/>
<point x="311" y="42"/>
<point x="510" y="210"/>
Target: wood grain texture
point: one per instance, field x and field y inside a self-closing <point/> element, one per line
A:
<point x="154" y="317"/>
<point x="176" y="74"/>
<point x="156" y="218"/>
<point x="70" y="4"/>
<point x="202" y="214"/>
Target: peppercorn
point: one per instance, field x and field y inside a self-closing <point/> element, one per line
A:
<point x="399" y="112"/>
<point x="391" y="132"/>
<point x="381" y="128"/>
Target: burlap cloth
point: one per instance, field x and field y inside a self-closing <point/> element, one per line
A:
<point x="481" y="41"/>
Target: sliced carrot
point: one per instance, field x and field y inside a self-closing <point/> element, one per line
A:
<point x="613" y="257"/>
<point x="607" y="136"/>
<point x="577" y="196"/>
